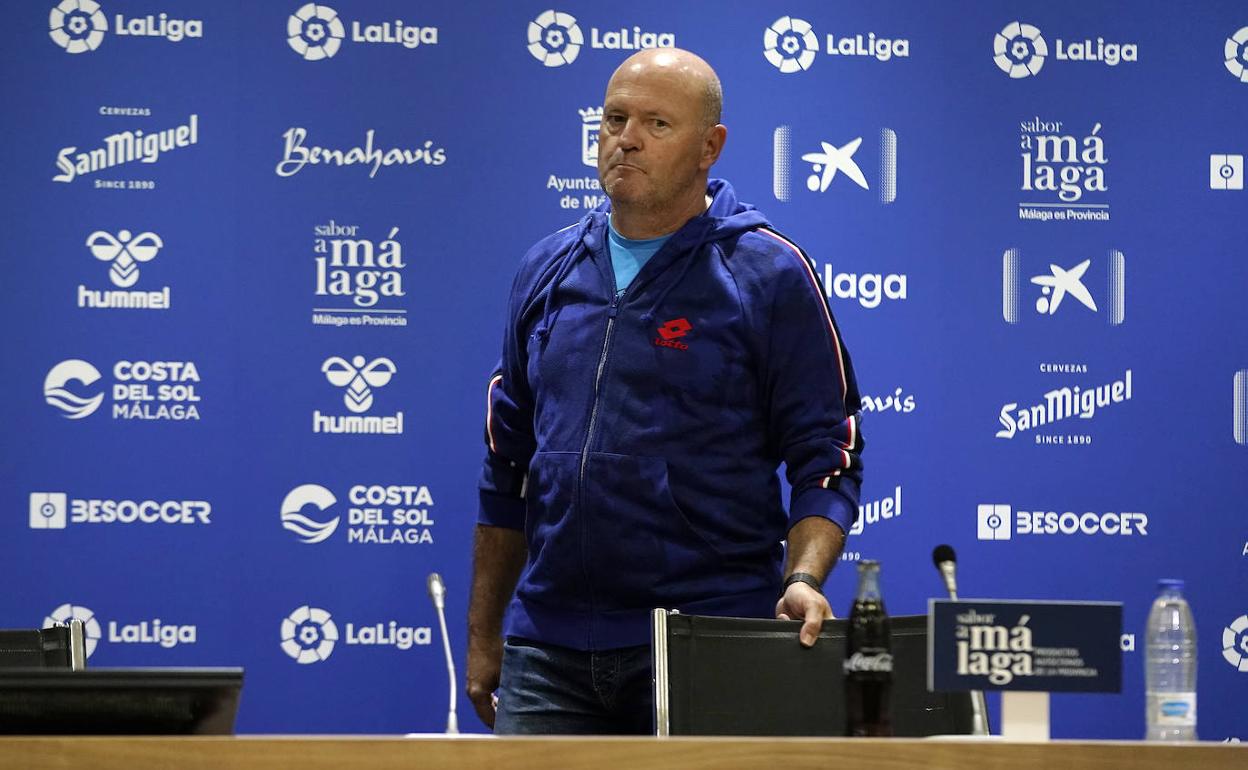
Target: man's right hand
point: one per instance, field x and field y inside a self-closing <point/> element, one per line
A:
<point x="485" y="663"/>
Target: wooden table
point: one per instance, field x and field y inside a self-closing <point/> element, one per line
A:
<point x="605" y="753"/>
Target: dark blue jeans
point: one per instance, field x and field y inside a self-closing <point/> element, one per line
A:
<point x="549" y="690"/>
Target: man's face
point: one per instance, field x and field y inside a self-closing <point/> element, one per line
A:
<point x="650" y="145"/>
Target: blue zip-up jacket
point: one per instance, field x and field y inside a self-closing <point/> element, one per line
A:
<point x="636" y="439"/>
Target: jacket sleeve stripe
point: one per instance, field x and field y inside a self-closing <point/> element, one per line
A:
<point x="823" y="304"/>
<point x="489" y="409"/>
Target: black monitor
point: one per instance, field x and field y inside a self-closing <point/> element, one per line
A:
<point x="119" y="701"/>
<point x="747" y="676"/>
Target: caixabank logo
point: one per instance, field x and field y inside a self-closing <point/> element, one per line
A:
<point x="1059" y="287"/>
<point x="358" y="379"/>
<point x="310" y="634"/>
<point x="57" y="510"/>
<point x="1020" y="50"/>
<point x="832" y="167"/>
<point x="126" y="253"/>
<point x="791" y="44"/>
<point x="125" y="147"/>
<point x="79" y="26"/>
<point x="152" y="633"/>
<point x="376" y="514"/>
<point x="359" y="279"/>
<point x="316" y="32"/>
<point x="556" y="38"/>
<point x="140" y="390"/>
<point x="998" y="521"/>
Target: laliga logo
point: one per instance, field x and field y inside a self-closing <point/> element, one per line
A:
<point x="77" y="26"/>
<point x="554" y="38"/>
<point x="125" y="253"/>
<point x="357" y="378"/>
<point x="55" y="393"/>
<point x="1236" y="52"/>
<point x="308" y="530"/>
<point x="315" y="32"/>
<point x="1019" y="50"/>
<point x="1235" y="643"/>
<point x="308" y="635"/>
<point x="789" y="44"/>
<point x="90" y="626"/>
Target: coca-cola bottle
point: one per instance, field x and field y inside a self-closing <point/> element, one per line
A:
<point x="868" y="658"/>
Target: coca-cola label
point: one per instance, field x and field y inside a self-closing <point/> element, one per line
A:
<point x="875" y="662"/>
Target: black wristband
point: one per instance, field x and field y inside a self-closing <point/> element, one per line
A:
<point x="802" y="577"/>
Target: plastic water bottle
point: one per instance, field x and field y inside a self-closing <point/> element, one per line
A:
<point x="1170" y="668"/>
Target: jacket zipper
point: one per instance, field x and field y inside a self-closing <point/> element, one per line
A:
<point x="589" y="438"/>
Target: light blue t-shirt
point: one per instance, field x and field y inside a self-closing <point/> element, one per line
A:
<point x="629" y="256"/>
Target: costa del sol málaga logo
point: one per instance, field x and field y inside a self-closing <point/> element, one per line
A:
<point x="90" y="626"/>
<point x="73" y="406"/>
<point x="1236" y="52"/>
<point x="554" y="38"/>
<point x="309" y="634"/>
<point x="77" y="25"/>
<point x="315" y="32"/>
<point x="309" y="530"/>
<point x="790" y="44"/>
<point x="1019" y="50"/>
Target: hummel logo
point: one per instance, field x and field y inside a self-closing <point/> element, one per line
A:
<point x="1060" y="283"/>
<point x="125" y="252"/>
<point x="358" y="378"/>
<point x="671" y="331"/>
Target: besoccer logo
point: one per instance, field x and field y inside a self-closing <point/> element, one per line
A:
<point x="315" y="32"/>
<point x="554" y="38"/>
<point x="790" y="44"/>
<point x="994" y="522"/>
<point x="125" y="252"/>
<point x="47" y="510"/>
<point x="1019" y="50"/>
<point x="308" y="530"/>
<point x="358" y="378"/>
<point x="90" y="626"/>
<point x="1235" y="643"/>
<point x="1236" y="52"/>
<point x="77" y="25"/>
<point x="75" y="407"/>
<point x="308" y="635"/>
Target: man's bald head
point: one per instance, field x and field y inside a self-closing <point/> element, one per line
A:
<point x="684" y="68"/>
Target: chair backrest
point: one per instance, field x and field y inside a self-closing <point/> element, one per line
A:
<point x="749" y="676"/>
<point x="56" y="647"/>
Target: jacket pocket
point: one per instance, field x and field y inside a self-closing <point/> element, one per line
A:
<point x="555" y="574"/>
<point x="642" y="551"/>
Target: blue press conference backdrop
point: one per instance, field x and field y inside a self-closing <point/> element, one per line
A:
<point x="257" y="257"/>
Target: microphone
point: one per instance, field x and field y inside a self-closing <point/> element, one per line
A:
<point x="947" y="563"/>
<point x="437" y="592"/>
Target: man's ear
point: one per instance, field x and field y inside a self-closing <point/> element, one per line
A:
<point x="713" y="145"/>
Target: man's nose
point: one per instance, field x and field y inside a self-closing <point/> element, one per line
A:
<point x="630" y="136"/>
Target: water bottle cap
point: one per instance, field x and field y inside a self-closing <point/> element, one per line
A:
<point x="1170" y="583"/>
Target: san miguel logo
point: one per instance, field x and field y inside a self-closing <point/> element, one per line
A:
<point x="671" y="332"/>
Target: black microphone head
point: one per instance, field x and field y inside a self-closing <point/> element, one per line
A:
<point x="943" y="553"/>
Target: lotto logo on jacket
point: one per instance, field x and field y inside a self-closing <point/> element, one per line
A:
<point x="671" y="332"/>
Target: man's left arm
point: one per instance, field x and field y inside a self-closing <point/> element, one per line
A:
<point x="814" y="416"/>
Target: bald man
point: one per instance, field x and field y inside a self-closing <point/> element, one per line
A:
<point x="662" y="357"/>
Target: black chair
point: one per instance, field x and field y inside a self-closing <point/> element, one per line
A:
<point x="749" y="676"/>
<point x="57" y="647"/>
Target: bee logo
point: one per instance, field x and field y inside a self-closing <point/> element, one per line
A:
<point x="358" y="378"/>
<point x="125" y="253"/>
